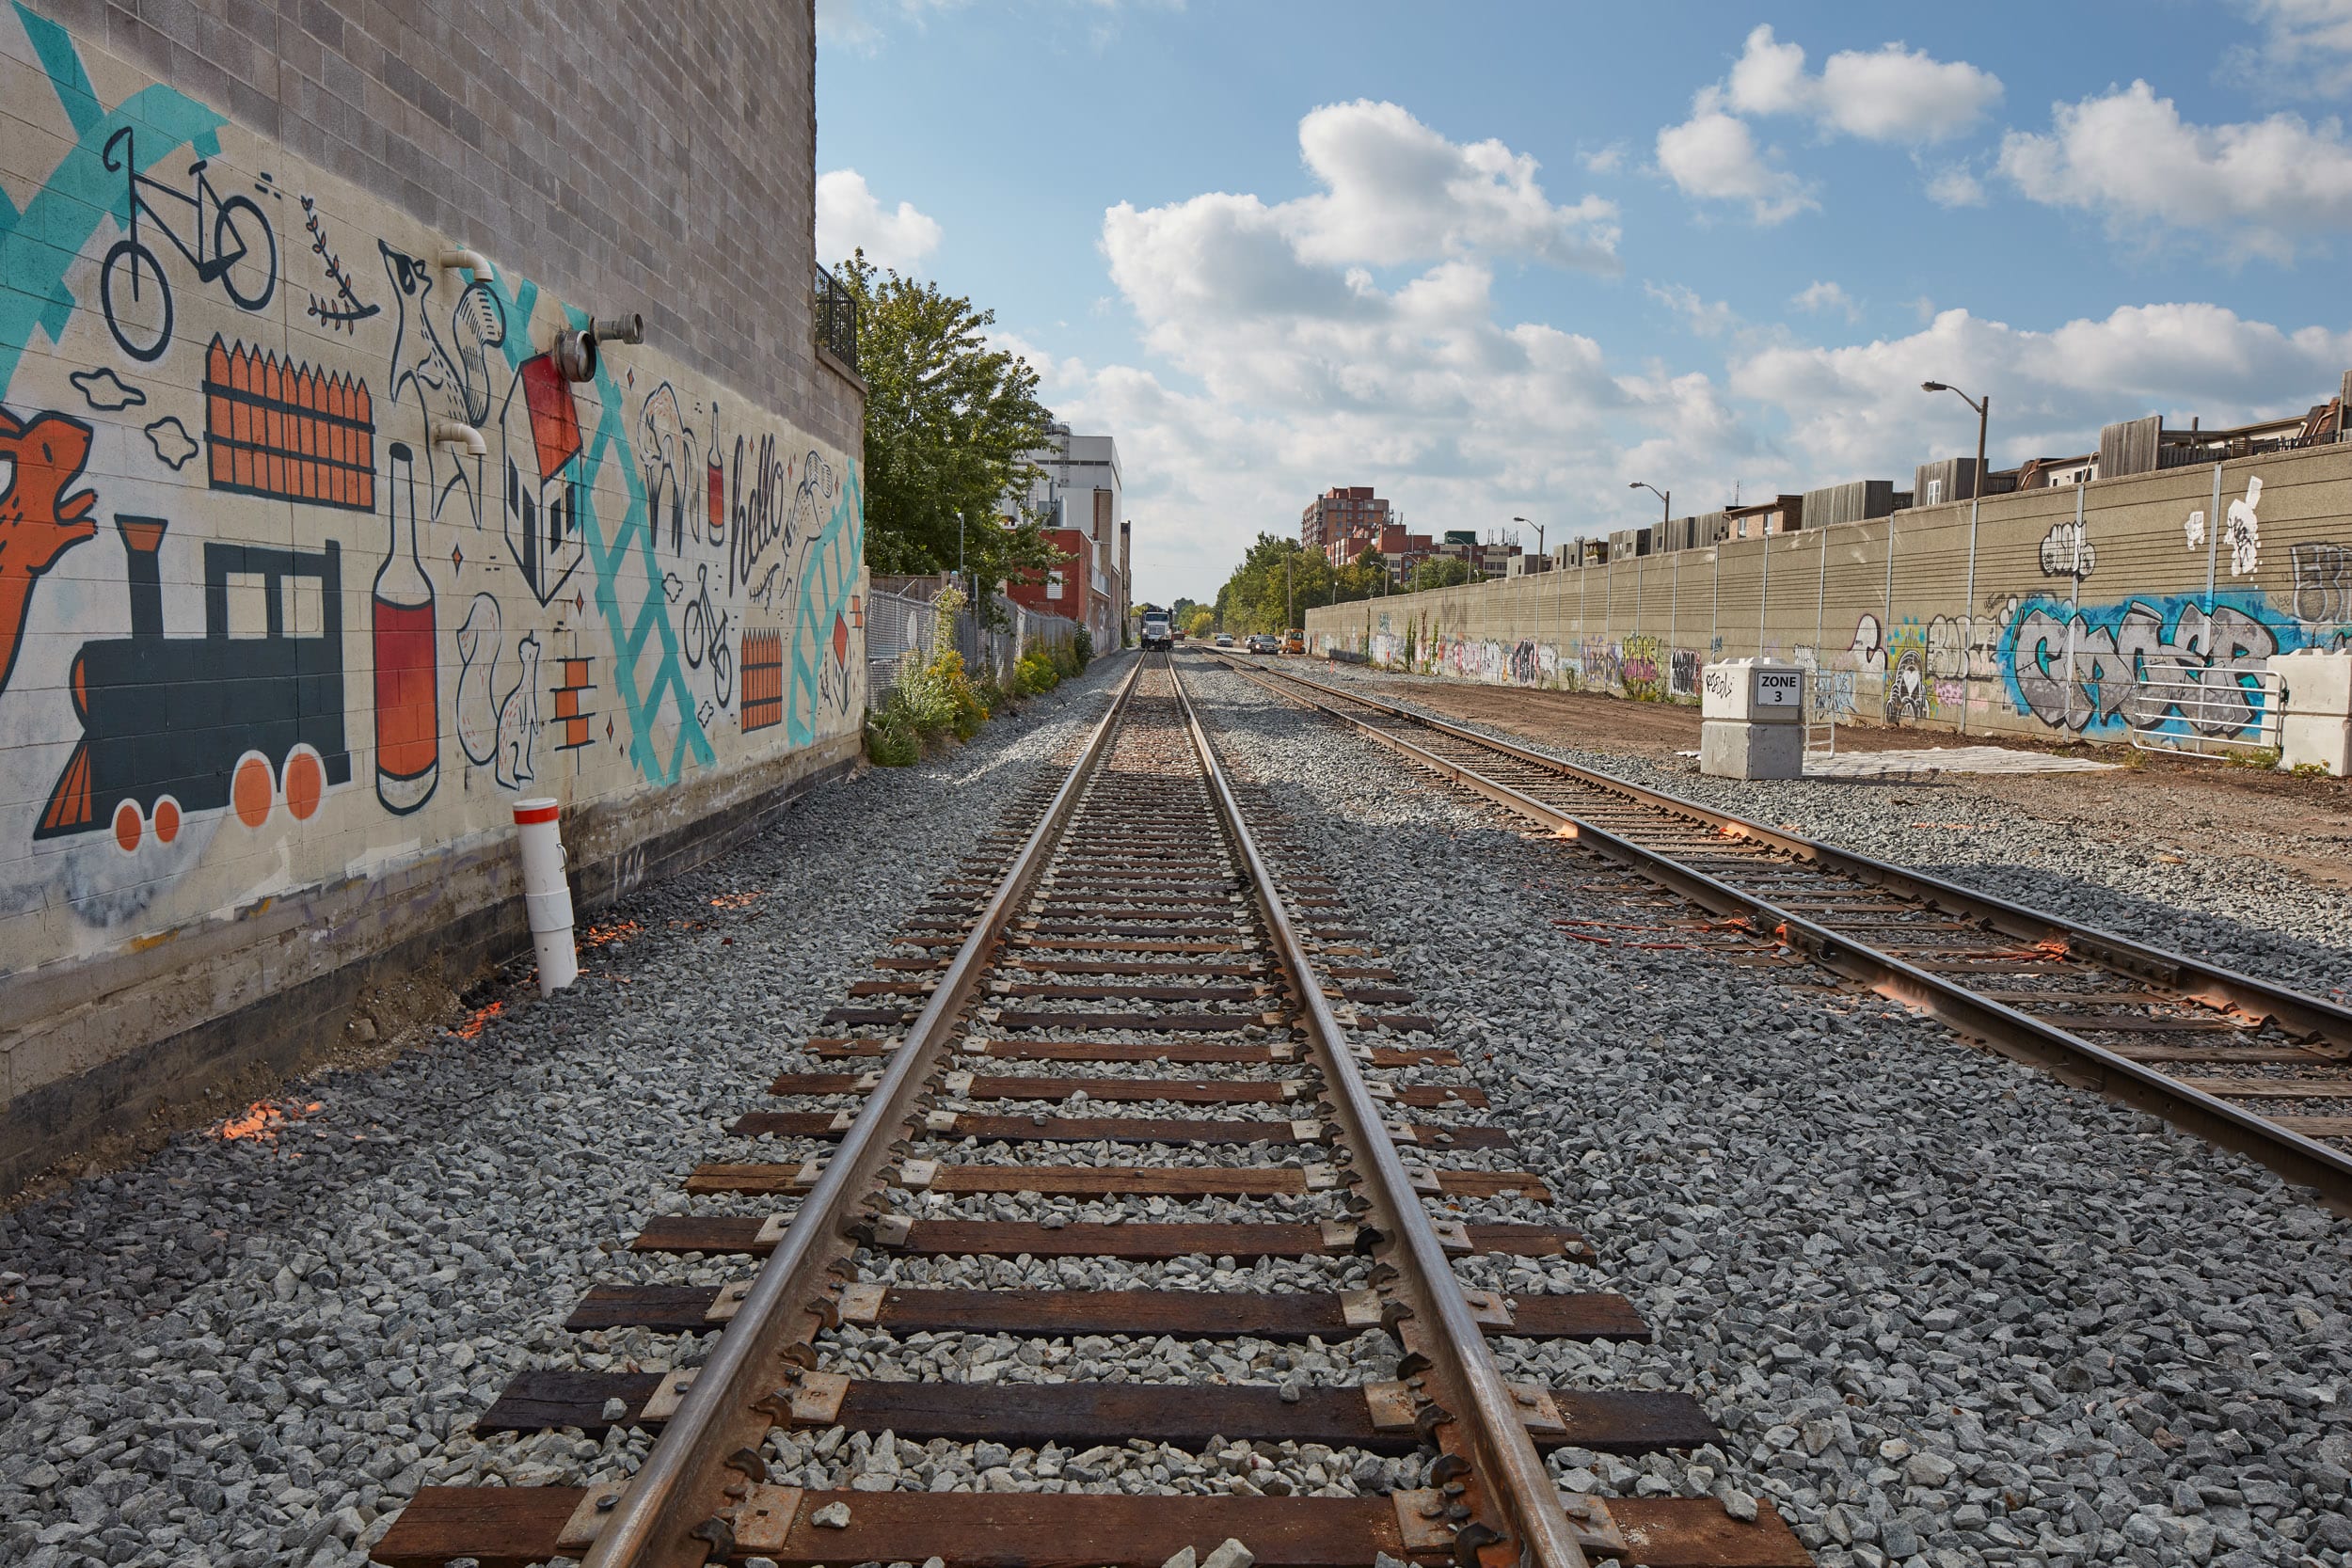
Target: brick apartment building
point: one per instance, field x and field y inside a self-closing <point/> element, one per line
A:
<point x="1340" y="515"/>
<point x="1346" y="520"/>
<point x="1079" y="494"/>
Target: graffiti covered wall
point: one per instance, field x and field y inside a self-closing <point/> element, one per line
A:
<point x="2109" y="610"/>
<point x="314" y="561"/>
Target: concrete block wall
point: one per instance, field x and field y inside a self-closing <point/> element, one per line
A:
<point x="311" y="560"/>
<point x="2142" y="607"/>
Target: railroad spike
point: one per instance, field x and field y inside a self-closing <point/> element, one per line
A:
<point x="1471" y="1537"/>
<point x="719" y="1530"/>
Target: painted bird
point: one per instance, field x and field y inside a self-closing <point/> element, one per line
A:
<point x="452" y="378"/>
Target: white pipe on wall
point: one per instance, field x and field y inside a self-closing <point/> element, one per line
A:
<point x="546" y="896"/>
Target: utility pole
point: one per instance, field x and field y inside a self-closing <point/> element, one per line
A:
<point x="1666" y="499"/>
<point x="1983" y="406"/>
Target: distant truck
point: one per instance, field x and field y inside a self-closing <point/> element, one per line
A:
<point x="1156" y="631"/>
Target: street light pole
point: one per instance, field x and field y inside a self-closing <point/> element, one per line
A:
<point x="1666" y="502"/>
<point x="1539" y="533"/>
<point x="1983" y="406"/>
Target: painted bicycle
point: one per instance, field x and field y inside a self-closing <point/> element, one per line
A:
<point x="703" y="635"/>
<point x="236" y="250"/>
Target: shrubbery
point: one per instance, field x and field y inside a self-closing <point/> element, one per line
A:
<point x="939" y="699"/>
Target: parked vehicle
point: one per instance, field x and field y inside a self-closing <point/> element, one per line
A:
<point x="1224" y="641"/>
<point x="1295" y="643"/>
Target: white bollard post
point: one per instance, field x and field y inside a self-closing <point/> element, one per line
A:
<point x="546" y="896"/>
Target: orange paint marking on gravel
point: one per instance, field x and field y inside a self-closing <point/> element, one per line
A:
<point x="478" y="1020"/>
<point x="264" y="1120"/>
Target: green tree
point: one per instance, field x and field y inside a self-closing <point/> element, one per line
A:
<point x="1440" y="571"/>
<point x="1364" y="578"/>
<point x="1198" y="621"/>
<point x="1253" y="597"/>
<point x="949" y="424"/>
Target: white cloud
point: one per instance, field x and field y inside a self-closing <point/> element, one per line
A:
<point x="2128" y="157"/>
<point x="1286" y="357"/>
<point x="1821" y="297"/>
<point x="850" y="219"/>
<point x="1609" y="160"/>
<point x="1956" y="187"/>
<point x="1890" y="94"/>
<point x="1714" y="156"/>
<point x="1704" y="319"/>
<point x="1396" y="191"/>
<point x="2305" y="51"/>
<point x="1857" y="411"/>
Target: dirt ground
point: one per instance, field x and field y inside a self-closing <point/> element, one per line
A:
<point x="2302" y="825"/>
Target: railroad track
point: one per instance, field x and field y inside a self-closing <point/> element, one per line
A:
<point x="1128" y="1005"/>
<point x="2245" y="1063"/>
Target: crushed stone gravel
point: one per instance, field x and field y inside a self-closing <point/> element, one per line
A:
<point x="2187" y="891"/>
<point x="247" y="1354"/>
<point x="1946" y="1311"/>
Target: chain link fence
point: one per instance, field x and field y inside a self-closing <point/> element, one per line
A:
<point x="902" y="631"/>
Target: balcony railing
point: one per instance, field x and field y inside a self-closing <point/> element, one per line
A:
<point x="835" y="314"/>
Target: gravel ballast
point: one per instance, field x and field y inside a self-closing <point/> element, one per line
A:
<point x="244" y="1354"/>
<point x="1947" y="1311"/>
<point x="2179" y="883"/>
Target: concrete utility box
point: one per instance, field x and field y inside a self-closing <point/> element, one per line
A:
<point x="1752" y="720"/>
<point x="2314" y="709"/>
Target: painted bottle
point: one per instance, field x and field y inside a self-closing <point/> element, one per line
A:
<point x="715" y="485"/>
<point x="408" y="675"/>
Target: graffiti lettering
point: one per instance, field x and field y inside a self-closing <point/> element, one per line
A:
<point x="1686" y="673"/>
<point x="2244" y="532"/>
<point x="2323" y="582"/>
<point x="2141" y="665"/>
<point x="2067" y="553"/>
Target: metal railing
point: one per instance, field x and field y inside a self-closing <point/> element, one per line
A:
<point x="832" y="312"/>
<point x="902" y="635"/>
<point x="2206" y="713"/>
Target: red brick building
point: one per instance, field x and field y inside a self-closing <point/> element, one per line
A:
<point x="1078" y="491"/>
<point x="1338" y="514"/>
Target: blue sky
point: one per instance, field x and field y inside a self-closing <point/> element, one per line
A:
<point x="1503" y="260"/>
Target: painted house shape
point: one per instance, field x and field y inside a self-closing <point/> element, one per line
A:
<point x="542" y="486"/>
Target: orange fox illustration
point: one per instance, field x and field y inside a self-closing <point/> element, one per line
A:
<point x="39" y="520"/>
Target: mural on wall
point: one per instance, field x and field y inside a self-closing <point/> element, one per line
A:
<point x="370" y="558"/>
<point x="43" y="514"/>
<point x="2323" y="582"/>
<point x="2159" y="663"/>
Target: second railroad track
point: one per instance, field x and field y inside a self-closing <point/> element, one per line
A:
<point x="2244" y="1062"/>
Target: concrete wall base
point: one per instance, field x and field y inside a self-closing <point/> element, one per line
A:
<point x="278" y="1032"/>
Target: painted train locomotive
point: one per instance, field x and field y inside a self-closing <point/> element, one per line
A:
<point x="244" y="716"/>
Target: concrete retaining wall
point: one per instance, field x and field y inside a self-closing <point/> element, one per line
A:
<point x="280" y="642"/>
<point x="2146" y="605"/>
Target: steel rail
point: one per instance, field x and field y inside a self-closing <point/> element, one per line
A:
<point x="675" y="1510"/>
<point x="1506" y="1465"/>
<point x="2064" y="1053"/>
<point x="2226" y="989"/>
